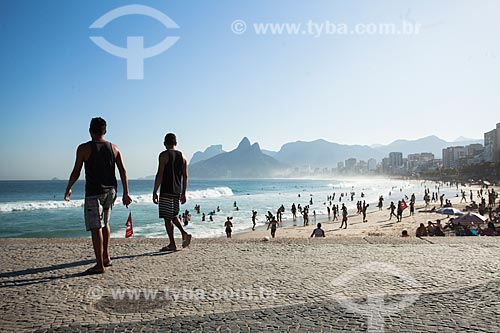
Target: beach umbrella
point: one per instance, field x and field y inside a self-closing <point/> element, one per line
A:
<point x="469" y="219"/>
<point x="449" y="211"/>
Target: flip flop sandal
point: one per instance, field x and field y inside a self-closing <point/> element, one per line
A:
<point x="187" y="241"/>
<point x="168" y="249"/>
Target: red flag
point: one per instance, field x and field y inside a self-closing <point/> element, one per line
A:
<point x="129" y="231"/>
<point x="403" y="205"/>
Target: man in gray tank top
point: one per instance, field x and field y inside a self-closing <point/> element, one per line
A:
<point x="172" y="171"/>
<point x="100" y="158"/>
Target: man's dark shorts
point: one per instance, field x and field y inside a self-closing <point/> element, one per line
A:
<point x="168" y="207"/>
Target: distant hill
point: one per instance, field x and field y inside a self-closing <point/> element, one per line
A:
<point x="269" y="152"/>
<point x="321" y="153"/>
<point x="246" y="161"/>
<point x="430" y="144"/>
<point x="318" y="153"/>
<point x="210" y="152"/>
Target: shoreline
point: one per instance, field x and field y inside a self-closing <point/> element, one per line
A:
<point x="378" y="222"/>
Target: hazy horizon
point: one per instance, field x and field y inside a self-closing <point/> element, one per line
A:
<point x="218" y="82"/>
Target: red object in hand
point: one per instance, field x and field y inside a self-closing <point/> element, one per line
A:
<point x="403" y="205"/>
<point x="130" y="230"/>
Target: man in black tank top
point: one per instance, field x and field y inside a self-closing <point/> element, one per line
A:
<point x="100" y="158"/>
<point x="172" y="171"/>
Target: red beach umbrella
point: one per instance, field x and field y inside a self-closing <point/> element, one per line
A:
<point x="470" y="219"/>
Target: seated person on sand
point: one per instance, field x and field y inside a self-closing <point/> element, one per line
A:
<point x="472" y="232"/>
<point x="430" y="229"/>
<point x="404" y="233"/>
<point x="438" y="232"/>
<point x="421" y="230"/>
<point x="318" y="232"/>
<point x="489" y="231"/>
<point x="472" y="206"/>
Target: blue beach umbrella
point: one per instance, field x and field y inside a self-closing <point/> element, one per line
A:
<point x="449" y="211"/>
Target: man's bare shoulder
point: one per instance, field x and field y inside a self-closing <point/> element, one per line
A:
<point x="84" y="147"/>
<point x="163" y="155"/>
<point x="116" y="151"/>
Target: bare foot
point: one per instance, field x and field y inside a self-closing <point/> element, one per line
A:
<point x="95" y="270"/>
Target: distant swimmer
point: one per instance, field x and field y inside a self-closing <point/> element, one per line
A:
<point x="203" y="217"/>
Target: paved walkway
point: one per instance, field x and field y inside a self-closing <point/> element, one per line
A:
<point x="336" y="284"/>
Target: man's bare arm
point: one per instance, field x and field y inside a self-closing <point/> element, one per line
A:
<point x="184" y="180"/>
<point x="123" y="176"/>
<point x="77" y="169"/>
<point x="162" y="161"/>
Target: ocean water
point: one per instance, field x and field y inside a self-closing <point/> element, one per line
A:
<point x="37" y="208"/>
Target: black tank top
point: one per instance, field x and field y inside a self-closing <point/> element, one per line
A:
<point x="172" y="174"/>
<point x="100" y="169"/>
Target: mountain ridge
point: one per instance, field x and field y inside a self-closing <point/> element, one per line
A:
<point x="323" y="153"/>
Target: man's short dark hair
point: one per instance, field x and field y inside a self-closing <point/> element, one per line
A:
<point x="98" y="126"/>
<point x="170" y="139"/>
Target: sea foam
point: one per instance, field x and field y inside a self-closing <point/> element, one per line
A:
<point x="7" y="207"/>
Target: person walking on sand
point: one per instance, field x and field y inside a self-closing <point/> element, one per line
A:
<point x="392" y="207"/>
<point x="228" y="225"/>
<point x="344" y="216"/>
<point x="365" y="207"/>
<point x="318" y="232"/>
<point x="172" y="170"/>
<point x="400" y="211"/>
<point x="100" y="158"/>
<point x="273" y="224"/>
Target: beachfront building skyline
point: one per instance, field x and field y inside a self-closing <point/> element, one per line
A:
<point x="492" y="145"/>
<point x="451" y="155"/>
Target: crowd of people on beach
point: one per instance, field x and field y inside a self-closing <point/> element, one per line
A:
<point x="100" y="158"/>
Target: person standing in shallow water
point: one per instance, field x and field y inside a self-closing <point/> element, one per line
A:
<point x="100" y="158"/>
<point x="172" y="170"/>
<point x="254" y="218"/>
<point x="228" y="225"/>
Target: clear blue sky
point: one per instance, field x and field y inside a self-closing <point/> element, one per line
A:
<point x="214" y="86"/>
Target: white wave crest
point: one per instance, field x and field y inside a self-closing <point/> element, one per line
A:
<point x="215" y="192"/>
<point x="7" y="207"/>
<point x="36" y="205"/>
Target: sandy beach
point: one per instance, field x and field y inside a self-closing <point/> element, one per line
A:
<point x="290" y="284"/>
<point x="379" y="222"/>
